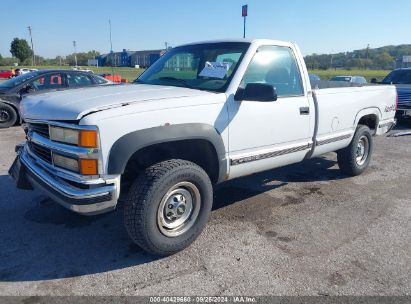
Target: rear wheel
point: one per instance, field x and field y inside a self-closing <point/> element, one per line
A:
<point x="8" y="115"/>
<point x="168" y="206"/>
<point x="354" y="159"/>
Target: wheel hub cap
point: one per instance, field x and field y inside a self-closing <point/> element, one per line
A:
<point x="178" y="209"/>
<point x="4" y="115"/>
<point x="362" y="150"/>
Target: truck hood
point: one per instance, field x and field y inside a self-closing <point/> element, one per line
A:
<point x="76" y="103"/>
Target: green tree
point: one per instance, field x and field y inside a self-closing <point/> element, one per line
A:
<point x="1" y="60"/>
<point x="82" y="57"/>
<point x="384" y="60"/>
<point x="20" y="49"/>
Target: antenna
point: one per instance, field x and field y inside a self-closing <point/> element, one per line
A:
<point x="32" y="48"/>
<point x="111" y="49"/>
<point x="111" y="42"/>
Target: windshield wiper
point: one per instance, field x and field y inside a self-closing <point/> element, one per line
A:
<point x="184" y="82"/>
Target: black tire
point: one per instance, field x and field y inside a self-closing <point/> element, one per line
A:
<point x="349" y="159"/>
<point x="149" y="192"/>
<point x="8" y="116"/>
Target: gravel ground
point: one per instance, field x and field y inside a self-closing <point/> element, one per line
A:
<point x="304" y="229"/>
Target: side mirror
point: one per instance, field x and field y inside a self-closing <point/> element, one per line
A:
<point x="374" y="80"/>
<point x="256" y="92"/>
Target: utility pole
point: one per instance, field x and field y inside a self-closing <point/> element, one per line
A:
<point x="331" y="63"/>
<point x="366" y="55"/>
<point x="75" y="52"/>
<point x="244" y="13"/>
<point x="32" y="48"/>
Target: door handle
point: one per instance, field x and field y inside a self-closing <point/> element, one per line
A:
<point x="304" y="111"/>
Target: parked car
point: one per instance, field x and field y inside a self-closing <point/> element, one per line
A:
<point x="351" y="79"/>
<point x="238" y="108"/>
<point x="314" y="77"/>
<point x="25" y="71"/>
<point x="401" y="78"/>
<point x="81" y="69"/>
<point x="13" y="90"/>
<point x="6" y="74"/>
<point x="314" y="80"/>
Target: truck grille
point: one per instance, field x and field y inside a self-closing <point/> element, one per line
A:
<point x="40" y="151"/>
<point x="40" y="129"/>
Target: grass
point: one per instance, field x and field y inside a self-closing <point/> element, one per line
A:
<point x="132" y="73"/>
<point x="368" y="74"/>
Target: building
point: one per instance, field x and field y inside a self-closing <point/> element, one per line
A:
<point x="101" y="59"/>
<point x="119" y="59"/>
<point x="403" y="62"/>
<point x="145" y="58"/>
<point x="130" y="58"/>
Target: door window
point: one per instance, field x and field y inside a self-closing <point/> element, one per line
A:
<point x="48" y="82"/>
<point x="79" y="80"/>
<point x="276" y="66"/>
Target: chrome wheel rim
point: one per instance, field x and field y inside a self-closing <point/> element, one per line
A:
<point x="178" y="209"/>
<point x="4" y="116"/>
<point x="363" y="149"/>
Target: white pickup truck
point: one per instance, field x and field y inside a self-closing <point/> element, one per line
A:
<point x="203" y="114"/>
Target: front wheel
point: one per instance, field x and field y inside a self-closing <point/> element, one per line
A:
<point x="168" y="206"/>
<point x="354" y="159"/>
<point x="8" y="116"/>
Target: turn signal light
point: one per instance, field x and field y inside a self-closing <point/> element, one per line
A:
<point x="88" y="166"/>
<point x="88" y="139"/>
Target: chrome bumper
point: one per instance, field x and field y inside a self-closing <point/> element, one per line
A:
<point x="385" y="127"/>
<point x="81" y="198"/>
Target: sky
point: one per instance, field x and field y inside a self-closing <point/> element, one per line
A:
<point x="317" y="26"/>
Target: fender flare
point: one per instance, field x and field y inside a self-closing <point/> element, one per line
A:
<point x="124" y="148"/>
<point x="368" y="111"/>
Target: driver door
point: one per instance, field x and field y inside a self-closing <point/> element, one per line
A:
<point x="264" y="135"/>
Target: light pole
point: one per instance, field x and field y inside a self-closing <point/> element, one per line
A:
<point x="75" y="52"/>
<point x="244" y="13"/>
<point x="32" y="47"/>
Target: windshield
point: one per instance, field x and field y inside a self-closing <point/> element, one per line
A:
<point x="11" y="83"/>
<point x="398" y="77"/>
<point x="208" y="66"/>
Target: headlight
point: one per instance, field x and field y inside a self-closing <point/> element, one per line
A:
<point x="66" y="162"/>
<point x="82" y="166"/>
<point x="81" y="138"/>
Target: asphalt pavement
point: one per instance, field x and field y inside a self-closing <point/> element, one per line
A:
<point x="304" y="229"/>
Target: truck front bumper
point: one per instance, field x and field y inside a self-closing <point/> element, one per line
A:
<point x="81" y="198"/>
